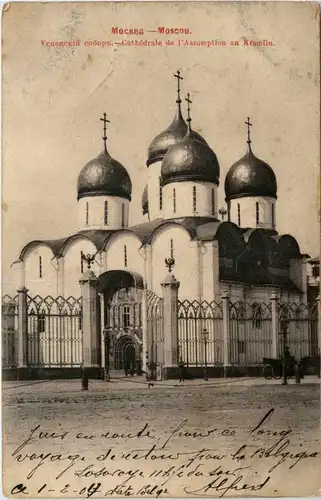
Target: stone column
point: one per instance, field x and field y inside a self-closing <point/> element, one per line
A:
<point x="102" y="324"/>
<point x="90" y="324"/>
<point x="275" y="324"/>
<point x="226" y="332"/>
<point x="22" y="339"/>
<point x="144" y="329"/>
<point x="170" y="287"/>
<point x="61" y="276"/>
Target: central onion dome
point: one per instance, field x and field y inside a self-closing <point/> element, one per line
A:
<point x="250" y="176"/>
<point x="104" y="176"/>
<point x="145" y="200"/>
<point x="172" y="135"/>
<point x="190" y="159"/>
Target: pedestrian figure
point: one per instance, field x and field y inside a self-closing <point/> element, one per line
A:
<point x="181" y="368"/>
<point x="126" y="368"/>
<point x="85" y="379"/>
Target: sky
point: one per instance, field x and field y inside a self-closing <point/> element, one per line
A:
<point x="53" y="99"/>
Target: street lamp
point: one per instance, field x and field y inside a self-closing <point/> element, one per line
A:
<point x="205" y="335"/>
<point x="284" y="325"/>
<point x="107" y="351"/>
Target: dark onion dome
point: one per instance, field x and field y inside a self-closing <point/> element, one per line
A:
<point x="173" y="134"/>
<point x="250" y="176"/>
<point x="145" y="200"/>
<point x="190" y="160"/>
<point x="104" y="176"/>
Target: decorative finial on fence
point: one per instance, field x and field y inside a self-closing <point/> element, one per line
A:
<point x="89" y="259"/>
<point x="170" y="263"/>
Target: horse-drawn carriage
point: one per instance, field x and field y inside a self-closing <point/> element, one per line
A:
<point x="273" y="368"/>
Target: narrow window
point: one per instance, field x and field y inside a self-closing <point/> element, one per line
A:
<point x="257" y="213"/>
<point x="172" y="249"/>
<point x="125" y="255"/>
<point x="273" y="215"/>
<point x="81" y="263"/>
<point x="194" y="198"/>
<point x="174" y="200"/>
<point x="160" y="197"/>
<point x="106" y="213"/>
<point x="126" y="316"/>
<point x="123" y="215"/>
<point x="238" y="214"/>
<point x="87" y="213"/>
<point x="213" y="202"/>
<point x="40" y="267"/>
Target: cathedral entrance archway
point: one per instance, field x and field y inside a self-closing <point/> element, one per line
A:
<point x="122" y="323"/>
<point x="124" y="353"/>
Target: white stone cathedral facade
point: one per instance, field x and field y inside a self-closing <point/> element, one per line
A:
<point x="243" y="255"/>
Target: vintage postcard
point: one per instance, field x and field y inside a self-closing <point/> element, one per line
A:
<point x="160" y="264"/>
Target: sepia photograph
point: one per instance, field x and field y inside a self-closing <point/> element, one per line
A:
<point x="161" y="249"/>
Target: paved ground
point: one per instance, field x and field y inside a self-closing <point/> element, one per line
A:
<point x="194" y="439"/>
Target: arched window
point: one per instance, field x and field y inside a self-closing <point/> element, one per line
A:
<point x="122" y="215"/>
<point x="125" y="255"/>
<point x="273" y="215"/>
<point x="257" y="213"/>
<point x="126" y="316"/>
<point x="160" y="197"/>
<point x="106" y="213"/>
<point x="172" y="249"/>
<point x="213" y="201"/>
<point x="174" y="200"/>
<point x="87" y="213"/>
<point x="40" y="267"/>
<point x="194" y="199"/>
<point x="238" y="214"/>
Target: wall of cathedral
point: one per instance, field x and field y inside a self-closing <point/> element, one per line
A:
<point x="174" y="241"/>
<point x="73" y="267"/>
<point x="189" y="199"/>
<point x="209" y="264"/>
<point x="102" y="212"/>
<point x="241" y="292"/>
<point x="154" y="191"/>
<point x="39" y="271"/>
<point x="123" y="251"/>
<point x="253" y="211"/>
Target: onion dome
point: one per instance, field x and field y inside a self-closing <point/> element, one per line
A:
<point x="104" y="176"/>
<point x="145" y="200"/>
<point x="250" y="176"/>
<point x="173" y="134"/>
<point x="190" y="160"/>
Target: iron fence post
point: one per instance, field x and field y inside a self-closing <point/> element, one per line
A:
<point x="226" y="332"/>
<point x="22" y="331"/>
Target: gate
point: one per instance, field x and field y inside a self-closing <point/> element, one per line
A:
<point x="155" y="331"/>
<point x="250" y="333"/>
<point x="193" y="318"/>
<point x="123" y="321"/>
<point x="302" y="334"/>
<point x="54" y="332"/>
<point x="9" y="331"/>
